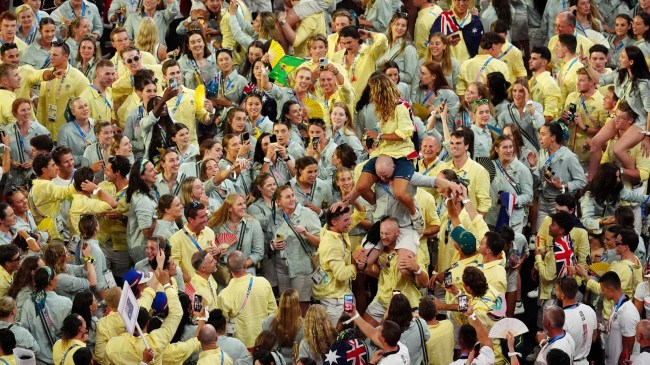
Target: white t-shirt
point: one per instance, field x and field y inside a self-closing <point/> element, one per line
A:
<point x="622" y="323"/>
<point x="399" y="357"/>
<point x="642" y="359"/>
<point x="580" y="322"/>
<point x="485" y="357"/>
<point x="642" y="294"/>
<point x="564" y="343"/>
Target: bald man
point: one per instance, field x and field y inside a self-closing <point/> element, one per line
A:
<point x="643" y="338"/>
<point x="554" y="336"/>
<point x="386" y="205"/>
<point x="210" y="352"/>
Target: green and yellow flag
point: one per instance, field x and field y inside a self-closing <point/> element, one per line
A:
<point x="286" y="64"/>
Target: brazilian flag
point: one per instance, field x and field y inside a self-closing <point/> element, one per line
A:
<point x="286" y="64"/>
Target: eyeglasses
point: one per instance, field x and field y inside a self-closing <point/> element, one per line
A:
<point x="134" y="59"/>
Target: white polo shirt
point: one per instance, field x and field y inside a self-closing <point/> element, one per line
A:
<point x="564" y="343"/>
<point x="580" y="322"/>
<point x="622" y="323"/>
<point x="485" y="357"/>
<point x="399" y="357"/>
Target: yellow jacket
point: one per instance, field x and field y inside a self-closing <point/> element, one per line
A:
<point x="59" y="350"/>
<point x="401" y="125"/>
<point x="127" y="349"/>
<point x="335" y="257"/>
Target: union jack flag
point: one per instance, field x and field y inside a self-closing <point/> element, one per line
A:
<point x="563" y="250"/>
<point x="347" y="352"/>
<point x="447" y="23"/>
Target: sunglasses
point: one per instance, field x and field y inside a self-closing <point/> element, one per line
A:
<point x="194" y="204"/>
<point x="401" y="14"/>
<point x="131" y="60"/>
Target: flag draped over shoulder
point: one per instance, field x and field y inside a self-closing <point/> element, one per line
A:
<point x="472" y="29"/>
<point x="564" y="257"/>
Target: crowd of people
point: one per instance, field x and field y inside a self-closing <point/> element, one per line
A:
<point x="323" y="182"/>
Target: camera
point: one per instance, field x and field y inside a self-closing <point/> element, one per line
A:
<point x="572" y="113"/>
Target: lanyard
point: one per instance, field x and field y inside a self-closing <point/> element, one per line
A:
<point x="556" y="338"/>
<point x="81" y="133"/>
<point x="178" y="102"/>
<point x="506" y="52"/>
<point x="338" y="136"/>
<point x="569" y="68"/>
<point x="428" y="96"/>
<point x="103" y="96"/>
<point x="58" y="91"/>
<point x="196" y="70"/>
<point x="47" y="61"/>
<point x="196" y="244"/>
<point x="83" y="9"/>
<point x="548" y="162"/>
<point x="584" y="104"/>
<point x="480" y="72"/>
<point x="248" y="293"/>
<point x="309" y="195"/>
<point x="223" y="90"/>
<point x="468" y="16"/>
<point x="387" y="189"/>
<point x="505" y="174"/>
<point x="120" y="195"/>
<point x="4" y="361"/>
<point x="581" y="28"/>
<point x="21" y="143"/>
<point x="353" y="67"/>
<point x="30" y="37"/>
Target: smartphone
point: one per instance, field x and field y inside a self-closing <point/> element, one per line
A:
<point x="245" y="136"/>
<point x="279" y="237"/>
<point x="273" y="138"/>
<point x="198" y="303"/>
<point x="462" y="303"/>
<point x="314" y="142"/>
<point x="348" y="302"/>
<point x="173" y="83"/>
<point x="370" y="143"/>
<point x="448" y="279"/>
<point x="322" y="62"/>
<point x="454" y="36"/>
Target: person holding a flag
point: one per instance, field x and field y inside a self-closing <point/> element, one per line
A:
<point x="463" y="28"/>
<point x="512" y="185"/>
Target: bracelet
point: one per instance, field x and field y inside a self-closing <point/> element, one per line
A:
<point x="96" y="190"/>
<point x="267" y="160"/>
<point x="511" y="354"/>
<point x="204" y="319"/>
<point x="473" y="317"/>
<point x="30" y="238"/>
<point x="90" y="259"/>
<point x="351" y="319"/>
<point x="418" y="272"/>
<point x="167" y="286"/>
<point x="466" y="201"/>
<point x="272" y="248"/>
<point x="287" y="159"/>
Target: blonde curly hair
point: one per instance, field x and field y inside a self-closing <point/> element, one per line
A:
<point x="384" y="94"/>
<point x="318" y="332"/>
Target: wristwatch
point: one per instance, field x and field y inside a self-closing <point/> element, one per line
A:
<point x="287" y="159"/>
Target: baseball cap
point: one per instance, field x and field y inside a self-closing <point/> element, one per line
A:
<point x="465" y="240"/>
<point x="159" y="302"/>
<point x="135" y="277"/>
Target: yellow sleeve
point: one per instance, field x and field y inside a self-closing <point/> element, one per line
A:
<point x="581" y="245"/>
<point x="226" y="33"/>
<point x="305" y="30"/>
<point x="164" y="334"/>
<point x="176" y="249"/>
<point x="552" y="97"/>
<point x="518" y="65"/>
<point x="177" y="353"/>
<point x="404" y="124"/>
<point x="331" y="256"/>
<point x="483" y="190"/>
<point x="379" y="46"/>
<point x="54" y="192"/>
<point x="542" y="234"/>
<point x="461" y="84"/>
<point x="546" y="272"/>
<point x="357" y="217"/>
<point x="122" y="88"/>
<point x="605" y="156"/>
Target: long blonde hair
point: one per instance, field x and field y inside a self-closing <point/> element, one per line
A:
<point x="186" y="190"/>
<point x="222" y="215"/>
<point x="268" y="29"/>
<point x="348" y="126"/>
<point x="384" y="94"/>
<point x="319" y="332"/>
<point x="147" y="37"/>
<point x="288" y="318"/>
<point x="446" y="54"/>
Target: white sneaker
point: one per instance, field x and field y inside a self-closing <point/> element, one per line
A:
<point x="519" y="308"/>
<point x="417" y="221"/>
<point x="533" y="293"/>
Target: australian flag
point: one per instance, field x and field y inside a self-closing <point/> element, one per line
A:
<point x="472" y="29"/>
<point x="508" y="201"/>
<point x="347" y="352"/>
<point x="564" y="257"/>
